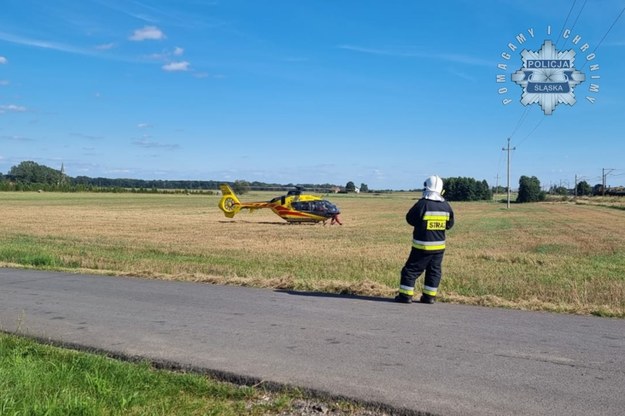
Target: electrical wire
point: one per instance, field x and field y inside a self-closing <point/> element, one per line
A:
<point x="576" y="19"/>
<point x="565" y="22"/>
<point x="606" y="34"/>
<point x="532" y="132"/>
<point x="520" y="122"/>
<point x="499" y="165"/>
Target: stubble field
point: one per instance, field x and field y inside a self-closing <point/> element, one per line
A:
<point x="557" y="256"/>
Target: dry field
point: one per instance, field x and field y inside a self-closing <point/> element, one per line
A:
<point x="558" y="256"/>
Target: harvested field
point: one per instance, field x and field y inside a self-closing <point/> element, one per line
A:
<point x="558" y="256"/>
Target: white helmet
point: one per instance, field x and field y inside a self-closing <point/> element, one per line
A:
<point x="433" y="184"/>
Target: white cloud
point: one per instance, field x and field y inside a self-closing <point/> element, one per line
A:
<point x="413" y="52"/>
<point x="4" y="82"/>
<point x="16" y="138"/>
<point x="379" y="51"/>
<point x="149" y="144"/>
<point x="176" y="66"/>
<point x="105" y="46"/>
<point x="3" y="60"/>
<point x="158" y="56"/>
<point x="43" y="44"/>
<point x="165" y="55"/>
<point x="118" y="171"/>
<point x="147" y="33"/>
<point x="207" y="75"/>
<point x="86" y="136"/>
<point x="13" y="108"/>
<point x="143" y="125"/>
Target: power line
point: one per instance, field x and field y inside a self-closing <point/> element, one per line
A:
<point x="499" y="168"/>
<point x="606" y="33"/>
<point x="565" y="21"/>
<point x="508" y="149"/>
<point x="576" y="19"/>
<point x="521" y="121"/>
<point x="499" y="162"/>
<point x="533" y="130"/>
<point x="604" y="174"/>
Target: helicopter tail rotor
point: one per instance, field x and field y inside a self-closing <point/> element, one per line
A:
<point x="229" y="203"/>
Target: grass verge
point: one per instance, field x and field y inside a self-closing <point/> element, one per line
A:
<point x="37" y="379"/>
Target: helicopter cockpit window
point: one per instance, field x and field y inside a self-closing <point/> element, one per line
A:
<point x="317" y="207"/>
<point x="329" y="207"/>
<point x="301" y="206"/>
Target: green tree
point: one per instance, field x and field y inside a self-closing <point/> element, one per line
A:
<point x="558" y="190"/>
<point x="364" y="188"/>
<point x="30" y="172"/>
<point x="350" y="187"/>
<point x="529" y="190"/>
<point x="484" y="191"/>
<point x="583" y="189"/>
<point x="466" y="189"/>
<point x="241" y="187"/>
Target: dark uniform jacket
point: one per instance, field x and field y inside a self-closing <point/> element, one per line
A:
<point x="430" y="219"/>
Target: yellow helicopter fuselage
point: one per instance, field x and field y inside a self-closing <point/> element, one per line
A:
<point x="293" y="207"/>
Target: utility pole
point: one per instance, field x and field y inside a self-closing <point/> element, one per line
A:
<point x="575" y="189"/>
<point x="508" y="170"/>
<point x="603" y="176"/>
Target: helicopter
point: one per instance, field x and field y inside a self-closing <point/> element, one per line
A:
<point x="294" y="207"/>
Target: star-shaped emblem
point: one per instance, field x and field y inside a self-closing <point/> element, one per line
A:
<point x="548" y="77"/>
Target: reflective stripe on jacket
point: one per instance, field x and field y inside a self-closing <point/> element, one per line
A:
<point x="428" y="245"/>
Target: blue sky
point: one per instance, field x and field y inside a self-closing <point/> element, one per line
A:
<point x="325" y="91"/>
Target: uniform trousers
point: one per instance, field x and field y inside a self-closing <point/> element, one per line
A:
<point x="418" y="261"/>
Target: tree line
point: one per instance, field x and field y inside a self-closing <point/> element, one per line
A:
<point x="466" y="189"/>
<point x="31" y="176"/>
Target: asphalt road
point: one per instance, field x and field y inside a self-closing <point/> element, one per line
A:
<point x="440" y="359"/>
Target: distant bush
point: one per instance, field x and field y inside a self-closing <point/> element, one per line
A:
<point x="583" y="188"/>
<point x="467" y="189"/>
<point x="529" y="190"/>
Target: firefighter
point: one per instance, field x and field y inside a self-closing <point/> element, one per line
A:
<point x="430" y="217"/>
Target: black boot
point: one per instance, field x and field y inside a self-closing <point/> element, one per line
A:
<point x="425" y="298"/>
<point x="401" y="298"/>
